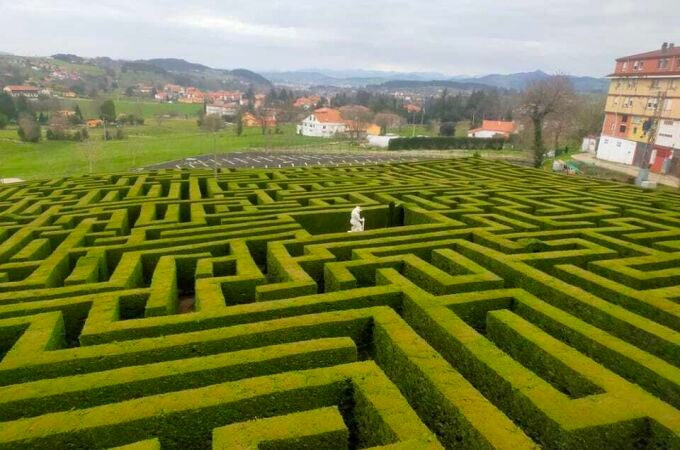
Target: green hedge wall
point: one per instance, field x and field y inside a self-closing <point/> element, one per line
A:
<point x="446" y="143"/>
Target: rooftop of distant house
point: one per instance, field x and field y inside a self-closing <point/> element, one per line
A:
<point x="21" y="88"/>
<point x="666" y="50"/>
<point x="328" y="115"/>
<point x="496" y="125"/>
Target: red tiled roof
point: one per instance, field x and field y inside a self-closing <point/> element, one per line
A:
<point x="306" y="101"/>
<point x="672" y="73"/>
<point x="328" y="115"/>
<point x="674" y="51"/>
<point x="497" y="125"/>
<point x="22" y="88"/>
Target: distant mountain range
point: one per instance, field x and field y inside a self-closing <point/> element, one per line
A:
<point x="461" y="85"/>
<point x="346" y="78"/>
<point x="184" y="72"/>
<point x="519" y="81"/>
<point x="105" y="74"/>
<point x="179" y="71"/>
<point x="363" y="78"/>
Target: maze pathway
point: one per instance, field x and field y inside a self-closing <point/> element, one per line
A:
<point x="485" y="306"/>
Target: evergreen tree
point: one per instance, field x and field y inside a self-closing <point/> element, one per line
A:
<point x="22" y="106"/>
<point x="7" y="107"/>
<point x="78" y="112"/>
<point x="239" y="126"/>
<point x="107" y="111"/>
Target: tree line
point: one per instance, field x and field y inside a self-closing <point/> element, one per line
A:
<point x="30" y="116"/>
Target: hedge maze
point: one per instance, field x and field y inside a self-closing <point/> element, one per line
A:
<point x="485" y="306"/>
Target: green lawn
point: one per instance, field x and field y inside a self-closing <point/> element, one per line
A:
<point x="426" y="130"/>
<point x="145" y="145"/>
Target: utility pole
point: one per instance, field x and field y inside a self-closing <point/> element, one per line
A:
<point x="651" y="138"/>
<point x="413" y="119"/>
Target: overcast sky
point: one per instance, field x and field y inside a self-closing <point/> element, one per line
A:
<point x="579" y="37"/>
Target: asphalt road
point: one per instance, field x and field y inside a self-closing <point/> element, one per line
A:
<point x="260" y="159"/>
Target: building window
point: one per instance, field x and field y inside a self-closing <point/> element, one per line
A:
<point x="655" y="84"/>
<point x="668" y="123"/>
<point x="652" y="103"/>
<point x="668" y="104"/>
<point x="622" y="128"/>
<point x="624" y="119"/>
<point x="625" y="65"/>
<point x="612" y="127"/>
<point x="671" y="83"/>
<point x="663" y="64"/>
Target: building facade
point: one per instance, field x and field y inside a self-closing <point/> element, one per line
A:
<point x="642" y="112"/>
<point x="324" y="122"/>
<point x="26" y="91"/>
<point x="222" y="109"/>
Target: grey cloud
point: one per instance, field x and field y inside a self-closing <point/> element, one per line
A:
<point x="455" y="37"/>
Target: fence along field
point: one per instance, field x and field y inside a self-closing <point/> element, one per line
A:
<point x="486" y="306"/>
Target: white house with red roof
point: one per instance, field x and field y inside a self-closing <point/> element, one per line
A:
<point x="493" y="129"/>
<point x="225" y="96"/>
<point x="323" y="122"/>
<point x="26" y="91"/>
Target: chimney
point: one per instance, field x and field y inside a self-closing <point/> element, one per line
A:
<point x="664" y="47"/>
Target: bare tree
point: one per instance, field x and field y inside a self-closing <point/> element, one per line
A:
<point x="387" y="121"/>
<point x="90" y="150"/>
<point x="58" y="127"/>
<point x="29" y="129"/>
<point x="543" y="99"/>
<point x="358" y="118"/>
<point x="589" y="116"/>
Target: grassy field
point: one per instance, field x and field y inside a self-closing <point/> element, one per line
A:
<point x="426" y="130"/>
<point x="147" y="144"/>
<point x="152" y="143"/>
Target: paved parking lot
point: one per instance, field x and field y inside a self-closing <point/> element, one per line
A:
<point x="270" y="160"/>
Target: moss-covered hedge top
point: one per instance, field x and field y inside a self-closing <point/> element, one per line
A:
<point x="484" y="306"/>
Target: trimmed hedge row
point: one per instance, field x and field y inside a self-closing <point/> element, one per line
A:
<point x="485" y="306"/>
<point x="446" y="143"/>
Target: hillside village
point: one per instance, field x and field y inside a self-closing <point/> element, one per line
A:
<point x="65" y="94"/>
